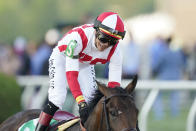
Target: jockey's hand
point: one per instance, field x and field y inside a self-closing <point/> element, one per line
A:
<point x="83" y="111"/>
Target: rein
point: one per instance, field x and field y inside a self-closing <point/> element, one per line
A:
<point x="104" y="102"/>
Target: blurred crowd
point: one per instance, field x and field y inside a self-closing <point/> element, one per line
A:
<point x="24" y="58"/>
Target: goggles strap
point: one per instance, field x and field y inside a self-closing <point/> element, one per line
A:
<point x="98" y="24"/>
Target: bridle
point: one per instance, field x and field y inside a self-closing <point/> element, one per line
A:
<point x="104" y="102"/>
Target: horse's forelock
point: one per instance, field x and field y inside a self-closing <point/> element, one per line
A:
<point x="120" y="90"/>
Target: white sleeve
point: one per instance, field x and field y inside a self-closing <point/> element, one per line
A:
<point x="115" y="66"/>
<point x="72" y="64"/>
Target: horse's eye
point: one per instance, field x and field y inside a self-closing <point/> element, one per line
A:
<point x="115" y="112"/>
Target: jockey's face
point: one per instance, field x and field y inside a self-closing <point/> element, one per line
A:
<point x="101" y="46"/>
<point x="103" y="41"/>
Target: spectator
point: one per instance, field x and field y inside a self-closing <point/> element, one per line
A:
<point x="9" y="63"/>
<point x="51" y="38"/>
<point x="23" y="56"/>
<point x="39" y="60"/>
<point x="166" y="64"/>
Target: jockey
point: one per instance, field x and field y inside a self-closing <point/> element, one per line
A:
<point x="73" y="60"/>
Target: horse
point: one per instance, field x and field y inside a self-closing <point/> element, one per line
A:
<point x="110" y="109"/>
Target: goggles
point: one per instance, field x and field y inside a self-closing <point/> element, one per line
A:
<point x="104" y="38"/>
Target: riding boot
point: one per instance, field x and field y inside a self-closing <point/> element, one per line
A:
<point x="46" y="116"/>
<point x="43" y="122"/>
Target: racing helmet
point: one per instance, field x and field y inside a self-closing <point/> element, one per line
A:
<point x="111" y="24"/>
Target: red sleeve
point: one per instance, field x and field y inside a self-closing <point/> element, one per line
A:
<point x="113" y="84"/>
<point x="72" y="79"/>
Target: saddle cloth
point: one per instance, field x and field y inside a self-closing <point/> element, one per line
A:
<point x="61" y="118"/>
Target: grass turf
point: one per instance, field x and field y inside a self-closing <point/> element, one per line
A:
<point x="169" y="122"/>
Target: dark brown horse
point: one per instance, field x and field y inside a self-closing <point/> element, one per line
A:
<point x="111" y="109"/>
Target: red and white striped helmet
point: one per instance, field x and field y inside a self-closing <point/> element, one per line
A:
<point x="111" y="24"/>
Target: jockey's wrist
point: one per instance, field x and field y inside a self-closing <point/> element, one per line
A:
<point x="80" y="99"/>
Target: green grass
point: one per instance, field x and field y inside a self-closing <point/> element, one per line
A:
<point x="168" y="123"/>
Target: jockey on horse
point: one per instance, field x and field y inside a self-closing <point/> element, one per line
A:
<point x="73" y="60"/>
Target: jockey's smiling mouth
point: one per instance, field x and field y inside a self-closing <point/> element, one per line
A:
<point x="103" y="41"/>
<point x="101" y="46"/>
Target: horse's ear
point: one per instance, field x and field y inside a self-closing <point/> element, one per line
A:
<point x="103" y="88"/>
<point x="131" y="86"/>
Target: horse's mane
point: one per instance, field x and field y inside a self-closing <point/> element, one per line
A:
<point x="94" y="100"/>
<point x="98" y="95"/>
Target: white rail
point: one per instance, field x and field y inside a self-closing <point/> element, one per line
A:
<point x="153" y="86"/>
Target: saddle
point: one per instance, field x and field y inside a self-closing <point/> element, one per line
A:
<point x="65" y="120"/>
<point x="63" y="115"/>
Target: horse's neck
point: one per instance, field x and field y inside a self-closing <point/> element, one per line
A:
<point x="93" y="122"/>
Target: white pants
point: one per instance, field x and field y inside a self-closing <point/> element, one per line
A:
<point x="58" y="84"/>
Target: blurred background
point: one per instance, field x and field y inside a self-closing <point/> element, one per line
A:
<point x="160" y="44"/>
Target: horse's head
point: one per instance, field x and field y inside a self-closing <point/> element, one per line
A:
<point x="115" y="111"/>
